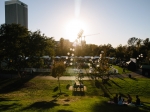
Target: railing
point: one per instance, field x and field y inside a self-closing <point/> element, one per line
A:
<point x="36" y="70"/>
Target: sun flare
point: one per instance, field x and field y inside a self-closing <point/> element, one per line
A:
<point x="73" y="28"/>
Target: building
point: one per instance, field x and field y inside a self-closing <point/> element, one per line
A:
<point x="16" y="12"/>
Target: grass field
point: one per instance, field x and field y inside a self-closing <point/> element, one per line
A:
<point x="120" y="69"/>
<point x="42" y="95"/>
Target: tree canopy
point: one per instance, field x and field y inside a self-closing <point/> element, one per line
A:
<point x="20" y="47"/>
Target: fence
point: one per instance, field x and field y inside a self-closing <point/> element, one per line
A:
<point x="36" y="70"/>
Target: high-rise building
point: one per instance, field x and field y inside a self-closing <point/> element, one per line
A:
<point x="16" y="12"/>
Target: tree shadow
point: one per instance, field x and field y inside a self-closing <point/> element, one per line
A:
<point x="78" y="93"/>
<point x="68" y="85"/>
<point x="65" y="104"/>
<point x="108" y="84"/>
<point x="107" y="107"/>
<point x="103" y="88"/>
<point x="133" y="78"/>
<point x="64" y="110"/>
<point x="6" y="99"/>
<point x="42" y="105"/>
<point x="6" y="107"/>
<point x="55" y="89"/>
<point x="124" y="96"/>
<point x="115" y="83"/>
<point x="9" y="85"/>
<point x="120" y="77"/>
<point x="58" y="95"/>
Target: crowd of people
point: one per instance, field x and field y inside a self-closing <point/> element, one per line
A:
<point x="118" y="99"/>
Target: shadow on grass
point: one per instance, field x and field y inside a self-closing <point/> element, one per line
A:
<point x="64" y="110"/>
<point x="133" y="78"/>
<point x="68" y="85"/>
<point x="103" y="87"/>
<point x="55" y="89"/>
<point x="6" y="107"/>
<point x="78" y="93"/>
<point x="43" y="105"/>
<point x="106" y="107"/>
<point x="115" y="83"/>
<point x="145" y="107"/>
<point x="6" y="99"/>
<point x="9" y="85"/>
<point x="120" y="77"/>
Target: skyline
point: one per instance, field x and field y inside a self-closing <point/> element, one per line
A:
<point x="113" y="21"/>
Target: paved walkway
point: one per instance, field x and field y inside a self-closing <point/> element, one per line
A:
<point x="133" y="75"/>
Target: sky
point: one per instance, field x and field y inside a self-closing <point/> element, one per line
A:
<point x="102" y="21"/>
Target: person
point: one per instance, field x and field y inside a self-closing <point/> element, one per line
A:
<point x="138" y="102"/>
<point x="75" y="87"/>
<point x="129" y="100"/>
<point x="116" y="99"/>
<point x="81" y="85"/>
<point x="120" y="100"/>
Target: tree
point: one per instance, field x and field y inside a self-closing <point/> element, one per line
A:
<point x="103" y="66"/>
<point x="132" y="41"/>
<point x="38" y="45"/>
<point x="20" y="47"/>
<point x="58" y="70"/>
<point x="12" y="44"/>
<point x="146" y="42"/>
<point x="138" y="44"/>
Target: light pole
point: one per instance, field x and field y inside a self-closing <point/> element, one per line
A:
<point x="139" y="59"/>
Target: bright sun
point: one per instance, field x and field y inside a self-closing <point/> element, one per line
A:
<point x="73" y="28"/>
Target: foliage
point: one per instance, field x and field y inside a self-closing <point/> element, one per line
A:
<point x="21" y="48"/>
<point x="58" y="70"/>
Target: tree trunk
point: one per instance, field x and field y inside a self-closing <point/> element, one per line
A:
<point x="59" y="84"/>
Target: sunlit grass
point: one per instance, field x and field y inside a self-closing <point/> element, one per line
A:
<point x="43" y="95"/>
<point x="120" y="69"/>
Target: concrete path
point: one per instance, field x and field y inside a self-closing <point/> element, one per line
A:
<point x="133" y="75"/>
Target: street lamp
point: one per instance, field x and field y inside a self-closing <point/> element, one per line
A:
<point x="71" y="56"/>
<point x="139" y="59"/>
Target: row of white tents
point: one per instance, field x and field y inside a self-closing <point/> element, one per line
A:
<point x="81" y="57"/>
<point x="78" y="57"/>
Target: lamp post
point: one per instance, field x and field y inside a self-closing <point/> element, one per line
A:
<point x="139" y="59"/>
<point x="71" y="55"/>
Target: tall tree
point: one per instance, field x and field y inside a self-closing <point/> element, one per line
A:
<point x="132" y="41"/>
<point x="20" y="47"/>
<point x="138" y="44"/>
<point x="12" y="44"/>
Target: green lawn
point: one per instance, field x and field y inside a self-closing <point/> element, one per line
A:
<point x="42" y="95"/>
<point x="120" y="69"/>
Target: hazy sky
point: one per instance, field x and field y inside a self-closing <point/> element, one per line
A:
<point x="115" y="20"/>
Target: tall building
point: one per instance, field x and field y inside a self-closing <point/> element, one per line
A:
<point x="16" y="12"/>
